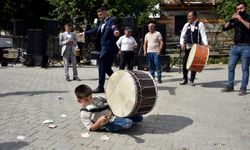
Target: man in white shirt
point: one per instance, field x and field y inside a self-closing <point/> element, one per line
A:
<point x="193" y="32"/>
<point x="153" y="44"/>
<point x="126" y="45"/>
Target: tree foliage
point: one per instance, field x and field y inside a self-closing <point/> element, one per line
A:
<point x="32" y="11"/>
<point x="226" y="8"/>
<point x="28" y="10"/>
<point x="86" y="9"/>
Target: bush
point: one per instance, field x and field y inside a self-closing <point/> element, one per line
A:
<point x="218" y="60"/>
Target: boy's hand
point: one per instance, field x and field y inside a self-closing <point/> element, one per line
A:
<point x="103" y="120"/>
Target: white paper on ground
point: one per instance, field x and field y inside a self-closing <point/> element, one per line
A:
<point x="52" y="126"/>
<point x="20" y="137"/>
<point x="48" y="121"/>
<point x="85" y="135"/>
<point x="104" y="138"/>
<point x="63" y="115"/>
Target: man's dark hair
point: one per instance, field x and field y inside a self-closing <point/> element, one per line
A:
<point x="68" y="25"/>
<point x="101" y="9"/>
<point x="242" y="3"/>
<point x="83" y="91"/>
<point x="152" y="21"/>
<point x="193" y="12"/>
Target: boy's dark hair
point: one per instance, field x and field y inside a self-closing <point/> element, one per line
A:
<point x="101" y="9"/>
<point x="83" y="91"/>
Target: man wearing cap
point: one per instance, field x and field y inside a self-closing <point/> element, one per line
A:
<point x="126" y="45"/>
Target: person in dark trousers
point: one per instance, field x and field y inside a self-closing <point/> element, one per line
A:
<point x="240" y="22"/>
<point x="107" y="34"/>
<point x="193" y="32"/>
<point x="127" y="44"/>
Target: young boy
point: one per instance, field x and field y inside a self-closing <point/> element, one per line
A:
<point x="95" y="113"/>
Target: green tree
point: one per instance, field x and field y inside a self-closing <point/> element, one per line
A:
<point x="86" y="9"/>
<point x="29" y="10"/>
<point x="226" y="8"/>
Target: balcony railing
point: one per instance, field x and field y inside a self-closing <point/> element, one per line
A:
<point x="188" y="2"/>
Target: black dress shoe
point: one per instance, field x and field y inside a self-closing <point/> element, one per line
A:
<point x="228" y="88"/>
<point x="242" y="92"/>
<point x="191" y="83"/>
<point x="184" y="82"/>
<point x="67" y="79"/>
<point x="76" y="78"/>
<point x="98" y="90"/>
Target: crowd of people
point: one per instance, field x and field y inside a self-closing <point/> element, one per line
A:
<point x="109" y="43"/>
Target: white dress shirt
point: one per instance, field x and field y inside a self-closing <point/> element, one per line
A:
<point x="201" y="31"/>
<point x="126" y="43"/>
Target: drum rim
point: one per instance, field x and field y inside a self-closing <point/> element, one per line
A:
<point x="189" y="64"/>
<point x="156" y="89"/>
<point x="135" y="97"/>
<point x="208" y="52"/>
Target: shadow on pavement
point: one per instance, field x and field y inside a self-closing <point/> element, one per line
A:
<point x="216" y="84"/>
<point x="171" y="90"/>
<point x="158" y="124"/>
<point x="13" y="145"/>
<point x="173" y="80"/>
<point x="213" y="69"/>
<point x="93" y="79"/>
<point x="30" y="93"/>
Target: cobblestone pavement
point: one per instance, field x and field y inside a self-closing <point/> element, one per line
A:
<point x="184" y="117"/>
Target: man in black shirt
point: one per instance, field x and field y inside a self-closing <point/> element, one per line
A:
<point x="241" y="50"/>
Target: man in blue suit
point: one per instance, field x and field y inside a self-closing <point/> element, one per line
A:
<point x="105" y="44"/>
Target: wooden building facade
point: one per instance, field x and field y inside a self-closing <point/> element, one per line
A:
<point x="174" y="14"/>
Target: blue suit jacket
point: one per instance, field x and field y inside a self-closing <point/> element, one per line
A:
<point x="106" y="41"/>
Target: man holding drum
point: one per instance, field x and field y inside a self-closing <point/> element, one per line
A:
<point x="192" y="33"/>
<point x="241" y="50"/>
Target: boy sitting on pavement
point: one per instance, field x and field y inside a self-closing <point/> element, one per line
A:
<point x="95" y="113"/>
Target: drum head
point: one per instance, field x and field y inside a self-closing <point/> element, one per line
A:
<point x="121" y="93"/>
<point x="191" y="56"/>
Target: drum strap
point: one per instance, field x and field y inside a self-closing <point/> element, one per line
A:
<point x="96" y="109"/>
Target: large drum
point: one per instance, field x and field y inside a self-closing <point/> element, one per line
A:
<point x="131" y="93"/>
<point x="197" y="58"/>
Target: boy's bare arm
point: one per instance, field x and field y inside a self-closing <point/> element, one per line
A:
<point x="99" y="123"/>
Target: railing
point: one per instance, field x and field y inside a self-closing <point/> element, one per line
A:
<point x="191" y="1"/>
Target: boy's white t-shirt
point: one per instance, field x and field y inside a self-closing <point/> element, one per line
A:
<point x="125" y="43"/>
<point x="88" y="118"/>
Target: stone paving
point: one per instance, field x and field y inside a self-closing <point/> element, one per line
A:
<point x="184" y="117"/>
